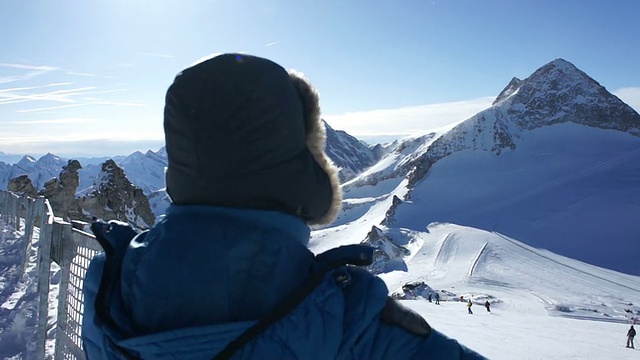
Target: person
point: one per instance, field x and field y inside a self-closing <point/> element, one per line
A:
<point x="630" y="335"/>
<point x="487" y="304"/>
<point x="469" y="304"/>
<point x="429" y="296"/>
<point x="437" y="298"/>
<point x="226" y="272"/>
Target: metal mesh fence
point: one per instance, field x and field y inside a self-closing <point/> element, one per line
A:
<point x="72" y="249"/>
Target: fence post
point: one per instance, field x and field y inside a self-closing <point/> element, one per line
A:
<point x="29" y="216"/>
<point x="16" y="212"/>
<point x="44" y="267"/>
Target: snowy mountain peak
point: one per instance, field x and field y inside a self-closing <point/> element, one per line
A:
<point x="559" y="92"/>
<point x="511" y="88"/>
<point x="26" y="161"/>
<point x="49" y="158"/>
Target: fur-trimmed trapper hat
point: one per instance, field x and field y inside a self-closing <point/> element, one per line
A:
<point x="243" y="132"/>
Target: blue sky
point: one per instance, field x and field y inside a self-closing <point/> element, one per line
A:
<point x="89" y="77"/>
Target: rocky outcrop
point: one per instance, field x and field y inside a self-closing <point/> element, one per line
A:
<point x="387" y="255"/>
<point x="388" y="216"/>
<point x="413" y="290"/>
<point x="349" y="154"/>
<point x="22" y="185"/>
<point x="61" y="192"/>
<point x="115" y="198"/>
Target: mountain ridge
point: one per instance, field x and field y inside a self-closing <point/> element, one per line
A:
<point x="508" y="169"/>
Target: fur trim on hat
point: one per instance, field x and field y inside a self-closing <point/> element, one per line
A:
<point x="316" y="138"/>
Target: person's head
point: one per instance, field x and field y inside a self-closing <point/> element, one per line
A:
<point x="243" y="132"/>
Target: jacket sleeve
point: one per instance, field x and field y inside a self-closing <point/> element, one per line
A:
<point x="92" y="336"/>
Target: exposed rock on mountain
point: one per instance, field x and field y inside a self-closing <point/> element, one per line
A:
<point x="413" y="290"/>
<point x="146" y="171"/>
<point x="22" y="185"/>
<point x="115" y="198"/>
<point x="388" y="217"/>
<point x="559" y="92"/>
<point x="348" y="153"/>
<point x="387" y="255"/>
<point x="511" y="88"/>
<point x="61" y="192"/>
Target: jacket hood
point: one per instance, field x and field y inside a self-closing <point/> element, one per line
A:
<point x="243" y="132"/>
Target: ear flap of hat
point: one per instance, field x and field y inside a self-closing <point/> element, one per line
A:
<point x="316" y="141"/>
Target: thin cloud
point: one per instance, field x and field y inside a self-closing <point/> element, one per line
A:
<point x="109" y="103"/>
<point x="273" y="43"/>
<point x="407" y="121"/>
<point x="80" y="145"/>
<point x="73" y="97"/>
<point x="33" y="87"/>
<point x="51" y="121"/>
<point x="82" y="74"/>
<point x="64" y="95"/>
<point x="33" y="71"/>
<point x="49" y="108"/>
<point x="44" y="68"/>
<point x="118" y="103"/>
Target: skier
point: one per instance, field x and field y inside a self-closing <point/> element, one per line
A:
<point x="469" y="304"/>
<point x="630" y="335"/>
<point x="429" y="296"/>
<point x="247" y="176"/>
<point x="487" y="304"/>
<point x="437" y="298"/>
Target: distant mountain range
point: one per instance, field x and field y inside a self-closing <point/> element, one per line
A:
<point x="146" y="170"/>
<point x="553" y="162"/>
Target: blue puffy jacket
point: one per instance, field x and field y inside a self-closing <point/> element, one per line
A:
<point x="203" y="275"/>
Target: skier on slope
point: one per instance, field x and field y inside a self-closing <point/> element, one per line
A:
<point x="226" y="272"/>
<point x="630" y="335"/>
<point x="469" y="304"/>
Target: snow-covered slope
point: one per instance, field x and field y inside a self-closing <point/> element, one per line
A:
<point x="553" y="163"/>
<point x="19" y="297"/>
<point x="567" y="188"/>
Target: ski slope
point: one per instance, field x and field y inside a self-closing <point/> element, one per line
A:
<point x="485" y="227"/>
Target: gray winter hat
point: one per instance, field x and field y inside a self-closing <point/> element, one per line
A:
<point x="243" y="132"/>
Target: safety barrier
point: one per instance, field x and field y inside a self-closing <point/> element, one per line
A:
<point x="69" y="247"/>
